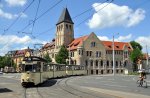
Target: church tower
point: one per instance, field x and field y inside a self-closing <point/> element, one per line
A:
<point x="64" y="29"/>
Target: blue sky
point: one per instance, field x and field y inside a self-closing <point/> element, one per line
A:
<point x="129" y="18"/>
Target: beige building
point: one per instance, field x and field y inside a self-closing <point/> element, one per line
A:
<point x="88" y="50"/>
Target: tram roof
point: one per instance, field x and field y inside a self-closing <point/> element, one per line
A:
<point x="34" y="58"/>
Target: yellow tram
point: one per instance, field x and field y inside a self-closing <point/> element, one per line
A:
<point x="35" y="70"/>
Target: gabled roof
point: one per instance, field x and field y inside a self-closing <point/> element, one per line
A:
<point x="22" y="52"/>
<point x="77" y="42"/>
<point x="118" y="45"/>
<point x="50" y="44"/>
<point x="65" y="17"/>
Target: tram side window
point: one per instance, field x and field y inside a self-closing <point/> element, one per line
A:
<point x="23" y="67"/>
<point x="38" y="67"/>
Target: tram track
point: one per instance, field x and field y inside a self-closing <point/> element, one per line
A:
<point x="32" y="93"/>
<point x="74" y="91"/>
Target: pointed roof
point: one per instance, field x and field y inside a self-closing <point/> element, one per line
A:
<point x="65" y="17"/>
<point x="77" y="42"/>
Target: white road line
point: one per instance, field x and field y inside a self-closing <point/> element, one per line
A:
<point x="126" y="80"/>
<point x="108" y="81"/>
<point x="115" y="85"/>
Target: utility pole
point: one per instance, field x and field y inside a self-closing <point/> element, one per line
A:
<point x="114" y="70"/>
<point x="69" y="55"/>
<point x="147" y="56"/>
<point x="113" y="57"/>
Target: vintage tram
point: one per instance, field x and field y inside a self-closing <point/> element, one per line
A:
<point x="36" y="70"/>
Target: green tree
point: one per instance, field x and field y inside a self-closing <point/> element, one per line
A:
<point x="47" y="57"/>
<point x="6" y="61"/>
<point x="136" y="53"/>
<point x="136" y="45"/>
<point x="62" y="55"/>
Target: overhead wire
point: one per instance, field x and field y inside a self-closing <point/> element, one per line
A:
<point x="17" y="17"/>
<point x="35" y="16"/>
<point x="74" y="17"/>
<point x="82" y="21"/>
<point x="88" y="10"/>
<point x="42" y="14"/>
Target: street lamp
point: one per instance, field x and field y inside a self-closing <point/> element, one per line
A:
<point x="114" y="55"/>
<point x="69" y="55"/>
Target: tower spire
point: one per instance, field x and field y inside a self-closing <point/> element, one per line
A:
<point x="65" y="17"/>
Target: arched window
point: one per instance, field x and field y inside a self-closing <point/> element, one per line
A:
<point x="70" y="27"/>
<point x="61" y="27"/>
<point x="67" y="26"/>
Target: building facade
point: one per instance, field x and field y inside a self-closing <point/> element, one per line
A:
<point x="88" y="50"/>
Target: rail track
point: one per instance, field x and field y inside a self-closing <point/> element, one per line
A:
<point x="63" y="84"/>
<point x="32" y="93"/>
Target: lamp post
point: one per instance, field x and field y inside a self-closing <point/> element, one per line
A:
<point x="147" y="57"/>
<point x="113" y="58"/>
<point x="114" y="70"/>
<point x="69" y="55"/>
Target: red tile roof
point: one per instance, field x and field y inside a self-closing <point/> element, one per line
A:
<point x="118" y="45"/>
<point x="51" y="44"/>
<point x="77" y="42"/>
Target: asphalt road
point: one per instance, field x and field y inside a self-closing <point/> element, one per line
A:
<point x="73" y="87"/>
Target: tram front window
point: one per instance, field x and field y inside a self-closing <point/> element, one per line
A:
<point x="28" y="67"/>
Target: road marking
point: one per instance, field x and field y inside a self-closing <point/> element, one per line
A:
<point x="126" y="80"/>
<point x="114" y="85"/>
<point x="109" y="81"/>
<point x="119" y="94"/>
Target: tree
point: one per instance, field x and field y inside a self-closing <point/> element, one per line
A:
<point x="136" y="45"/>
<point x="6" y="61"/>
<point x="136" y="53"/>
<point x="62" y="55"/>
<point x="47" y="57"/>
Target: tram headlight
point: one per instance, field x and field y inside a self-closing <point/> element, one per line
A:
<point x="28" y="78"/>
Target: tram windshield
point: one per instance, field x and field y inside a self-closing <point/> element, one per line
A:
<point x="33" y="68"/>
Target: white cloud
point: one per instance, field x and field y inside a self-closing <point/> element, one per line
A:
<point x="11" y="16"/>
<point x="16" y="2"/>
<point x="117" y="38"/>
<point x="7" y="42"/>
<point x="103" y="38"/>
<point x="124" y="38"/>
<point x="115" y="15"/>
<point x="144" y="40"/>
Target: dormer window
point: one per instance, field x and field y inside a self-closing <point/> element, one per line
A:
<point x="117" y="46"/>
<point x="109" y="46"/>
<point x="129" y="48"/>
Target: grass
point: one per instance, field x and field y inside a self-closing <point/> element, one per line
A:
<point x="133" y="73"/>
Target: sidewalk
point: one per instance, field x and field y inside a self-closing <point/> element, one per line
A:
<point x="118" y="94"/>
